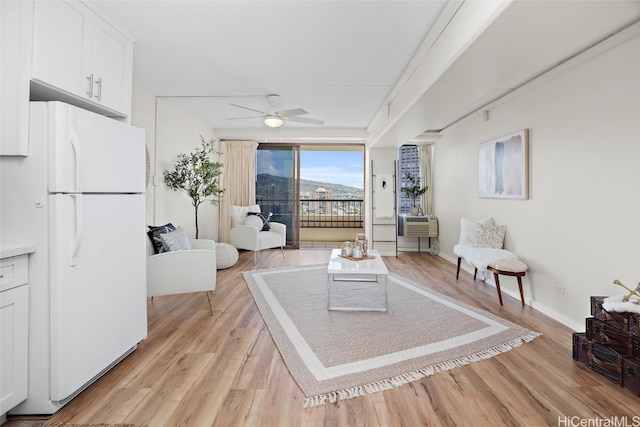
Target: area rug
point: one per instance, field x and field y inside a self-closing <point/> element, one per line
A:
<point x="335" y="355"/>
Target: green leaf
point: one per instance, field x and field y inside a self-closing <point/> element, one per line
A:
<point x="197" y="175"/>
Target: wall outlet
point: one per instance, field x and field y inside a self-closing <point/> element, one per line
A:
<point x="559" y="289"/>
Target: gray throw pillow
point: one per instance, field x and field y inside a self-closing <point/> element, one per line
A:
<point x="176" y="240"/>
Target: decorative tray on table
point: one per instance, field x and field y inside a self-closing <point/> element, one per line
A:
<point x="364" y="258"/>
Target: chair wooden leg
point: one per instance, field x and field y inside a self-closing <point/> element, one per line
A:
<point x="475" y="273"/>
<point x="282" y="250"/>
<point x="458" y="270"/>
<point x="495" y="277"/>
<point x="520" y="286"/>
<point x="209" y="294"/>
<point x="517" y="274"/>
<point x="255" y="257"/>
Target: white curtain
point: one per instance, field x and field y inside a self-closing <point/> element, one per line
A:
<point x="425" y="154"/>
<point x="238" y="179"/>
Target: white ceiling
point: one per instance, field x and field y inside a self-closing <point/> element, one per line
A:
<point x="387" y="69"/>
<point x="336" y="59"/>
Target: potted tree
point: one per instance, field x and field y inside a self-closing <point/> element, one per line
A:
<point x="414" y="191"/>
<point x="197" y="176"/>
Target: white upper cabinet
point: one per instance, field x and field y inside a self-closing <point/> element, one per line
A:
<point x="59" y="51"/>
<point x="112" y="65"/>
<point x="62" y="45"/>
<point x="15" y="70"/>
<point x="76" y="51"/>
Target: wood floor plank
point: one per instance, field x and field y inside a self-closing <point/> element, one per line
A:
<point x="173" y="387"/>
<point x="199" y="370"/>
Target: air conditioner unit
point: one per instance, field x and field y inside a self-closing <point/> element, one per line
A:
<point x="417" y="226"/>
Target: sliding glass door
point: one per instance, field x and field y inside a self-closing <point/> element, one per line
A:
<point x="278" y="185"/>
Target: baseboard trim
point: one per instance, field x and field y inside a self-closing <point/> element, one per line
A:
<point x="576" y="326"/>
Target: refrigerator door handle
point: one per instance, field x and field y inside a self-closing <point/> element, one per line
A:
<point x="77" y="239"/>
<point x="73" y="139"/>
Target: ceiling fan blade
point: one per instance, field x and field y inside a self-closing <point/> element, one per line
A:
<point x="303" y="120"/>
<point x="292" y="112"/>
<point x="248" y="117"/>
<point x="247" y="108"/>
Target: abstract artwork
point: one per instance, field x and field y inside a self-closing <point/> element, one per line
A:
<point x="503" y="171"/>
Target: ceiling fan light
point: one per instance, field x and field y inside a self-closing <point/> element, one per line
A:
<point x="273" y="121"/>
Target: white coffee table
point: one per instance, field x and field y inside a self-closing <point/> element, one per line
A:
<point x="354" y="278"/>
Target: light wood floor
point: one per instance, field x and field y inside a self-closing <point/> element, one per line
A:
<point x="198" y="370"/>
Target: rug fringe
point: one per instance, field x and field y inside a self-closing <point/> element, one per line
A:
<point x="399" y="380"/>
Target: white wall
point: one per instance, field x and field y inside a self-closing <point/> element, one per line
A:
<point x="143" y="114"/>
<point x="580" y="228"/>
<point x="171" y="131"/>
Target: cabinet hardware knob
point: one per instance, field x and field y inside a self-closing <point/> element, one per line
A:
<point x="99" y="83"/>
<point x="90" y="91"/>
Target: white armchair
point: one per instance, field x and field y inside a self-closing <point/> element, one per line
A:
<point x="252" y="238"/>
<point x="184" y="271"/>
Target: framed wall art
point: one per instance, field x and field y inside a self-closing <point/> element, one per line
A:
<point x="503" y="167"/>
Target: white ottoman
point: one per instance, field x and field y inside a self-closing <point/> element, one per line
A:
<point x="226" y="256"/>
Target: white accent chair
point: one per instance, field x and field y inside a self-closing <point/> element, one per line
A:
<point x="479" y="257"/>
<point x="250" y="238"/>
<point x="184" y="271"/>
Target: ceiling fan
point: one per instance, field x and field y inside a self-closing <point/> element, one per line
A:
<point x="277" y="118"/>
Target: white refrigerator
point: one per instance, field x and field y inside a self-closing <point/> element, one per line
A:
<point x="79" y="195"/>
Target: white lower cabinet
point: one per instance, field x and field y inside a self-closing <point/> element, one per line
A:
<point x="14" y="331"/>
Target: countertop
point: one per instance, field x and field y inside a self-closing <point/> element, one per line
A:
<point x="8" y="250"/>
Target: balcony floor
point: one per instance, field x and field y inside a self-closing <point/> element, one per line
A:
<point x="320" y="245"/>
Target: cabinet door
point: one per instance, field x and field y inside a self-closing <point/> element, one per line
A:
<point x="14" y="330"/>
<point x="62" y="46"/>
<point x="112" y="65"/>
<point x="15" y="68"/>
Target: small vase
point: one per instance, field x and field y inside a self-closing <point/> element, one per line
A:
<point x="416" y="210"/>
<point x="364" y="243"/>
<point x="357" y="252"/>
<point x="346" y="249"/>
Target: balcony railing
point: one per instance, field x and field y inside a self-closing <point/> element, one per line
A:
<point x="319" y="213"/>
<point x="321" y="220"/>
<point x="331" y="213"/>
